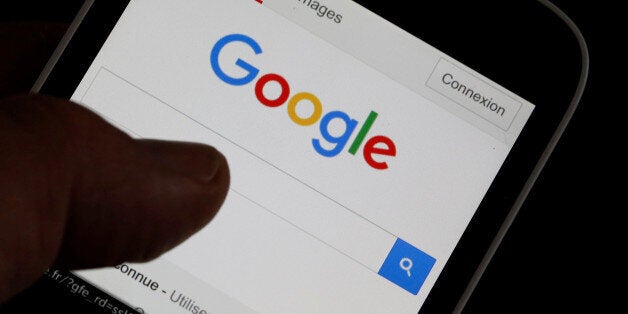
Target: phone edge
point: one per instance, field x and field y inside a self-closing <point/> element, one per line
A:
<point x="63" y="43"/>
<point x="538" y="168"/>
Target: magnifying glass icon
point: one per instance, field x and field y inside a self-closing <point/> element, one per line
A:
<point x="406" y="264"/>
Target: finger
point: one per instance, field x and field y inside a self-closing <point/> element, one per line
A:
<point x="25" y="47"/>
<point x="78" y="193"/>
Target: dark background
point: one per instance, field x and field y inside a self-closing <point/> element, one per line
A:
<point x="546" y="262"/>
<point x="554" y="258"/>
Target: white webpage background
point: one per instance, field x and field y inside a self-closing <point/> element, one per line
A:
<point x="443" y="168"/>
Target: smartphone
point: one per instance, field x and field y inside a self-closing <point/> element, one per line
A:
<point x="379" y="152"/>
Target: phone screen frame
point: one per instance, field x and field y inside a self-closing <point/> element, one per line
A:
<point x="551" y="48"/>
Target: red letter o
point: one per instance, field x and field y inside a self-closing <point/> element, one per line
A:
<point x="259" y="90"/>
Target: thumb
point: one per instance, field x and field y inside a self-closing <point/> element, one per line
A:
<point x="78" y="193"/>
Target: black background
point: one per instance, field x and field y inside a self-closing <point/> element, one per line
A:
<point x="552" y="260"/>
<point x="546" y="262"/>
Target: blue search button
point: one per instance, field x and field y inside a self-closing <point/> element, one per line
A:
<point x="407" y="266"/>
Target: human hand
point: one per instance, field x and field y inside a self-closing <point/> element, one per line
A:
<point x="76" y="192"/>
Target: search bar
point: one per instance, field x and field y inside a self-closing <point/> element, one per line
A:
<point x="144" y="115"/>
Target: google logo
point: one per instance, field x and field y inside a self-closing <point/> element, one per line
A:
<point x="378" y="145"/>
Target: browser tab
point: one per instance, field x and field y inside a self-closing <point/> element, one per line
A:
<point x="474" y="94"/>
<point x="322" y="10"/>
<point x="326" y="12"/>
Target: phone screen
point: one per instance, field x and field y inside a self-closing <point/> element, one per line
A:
<point x="358" y="153"/>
